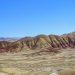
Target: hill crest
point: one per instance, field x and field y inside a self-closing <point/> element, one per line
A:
<point x="41" y="42"/>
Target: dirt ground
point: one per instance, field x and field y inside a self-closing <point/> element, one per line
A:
<point x="32" y="62"/>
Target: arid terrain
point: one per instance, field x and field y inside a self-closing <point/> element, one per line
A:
<point x="39" y="55"/>
<point x="36" y="63"/>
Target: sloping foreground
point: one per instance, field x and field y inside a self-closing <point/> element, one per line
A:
<point x="36" y="63"/>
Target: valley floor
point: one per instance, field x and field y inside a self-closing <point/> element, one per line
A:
<point x="31" y="62"/>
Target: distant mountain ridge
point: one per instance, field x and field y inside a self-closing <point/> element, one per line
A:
<point x="8" y="39"/>
<point x="40" y="42"/>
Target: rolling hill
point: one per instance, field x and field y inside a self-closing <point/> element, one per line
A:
<point x="41" y="42"/>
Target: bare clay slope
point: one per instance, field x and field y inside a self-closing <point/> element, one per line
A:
<point x="3" y="45"/>
<point x="43" y="42"/>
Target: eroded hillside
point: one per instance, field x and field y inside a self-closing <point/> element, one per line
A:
<point x="42" y="42"/>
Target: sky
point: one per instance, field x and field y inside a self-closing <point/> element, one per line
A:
<point x="20" y="18"/>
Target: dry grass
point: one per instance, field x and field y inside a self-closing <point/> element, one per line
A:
<point x="67" y="72"/>
<point x="35" y="63"/>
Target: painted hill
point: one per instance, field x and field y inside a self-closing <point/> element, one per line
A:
<point x="3" y="45"/>
<point x="42" y="43"/>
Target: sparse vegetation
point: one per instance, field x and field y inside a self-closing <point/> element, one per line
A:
<point x="31" y="63"/>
